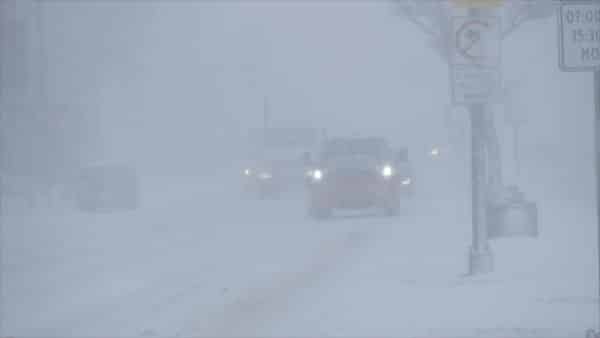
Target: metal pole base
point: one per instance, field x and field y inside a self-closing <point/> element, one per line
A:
<point x="480" y="262"/>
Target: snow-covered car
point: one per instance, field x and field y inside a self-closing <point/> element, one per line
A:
<point x="359" y="173"/>
<point x="106" y="187"/>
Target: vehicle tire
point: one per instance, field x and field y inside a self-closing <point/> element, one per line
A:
<point x="391" y="211"/>
<point x="319" y="212"/>
<point x="133" y="202"/>
<point x="87" y="205"/>
<point x="393" y="204"/>
<point x="591" y="334"/>
<point x="264" y="193"/>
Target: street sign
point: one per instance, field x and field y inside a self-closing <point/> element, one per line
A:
<point x="579" y="36"/>
<point x="476" y="41"/>
<point x="472" y="85"/>
<point x="475" y="59"/>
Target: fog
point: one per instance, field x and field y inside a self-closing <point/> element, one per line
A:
<point x="167" y="93"/>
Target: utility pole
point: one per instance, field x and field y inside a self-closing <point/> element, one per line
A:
<point x="591" y="333"/>
<point x="4" y="27"/>
<point x="597" y="151"/>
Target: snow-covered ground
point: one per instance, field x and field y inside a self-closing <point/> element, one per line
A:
<point x="199" y="260"/>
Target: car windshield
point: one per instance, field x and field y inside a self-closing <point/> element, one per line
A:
<point x="354" y="147"/>
<point x="289" y="137"/>
<point x="256" y="168"/>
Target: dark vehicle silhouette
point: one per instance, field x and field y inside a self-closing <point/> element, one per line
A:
<point x="359" y="173"/>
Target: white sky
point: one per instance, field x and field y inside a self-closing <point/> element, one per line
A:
<point x="188" y="71"/>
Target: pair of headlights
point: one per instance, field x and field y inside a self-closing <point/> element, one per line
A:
<point x="261" y="175"/>
<point x="317" y="175"/>
<point x="386" y="171"/>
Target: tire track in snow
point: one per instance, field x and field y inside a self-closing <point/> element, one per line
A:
<point x="262" y="304"/>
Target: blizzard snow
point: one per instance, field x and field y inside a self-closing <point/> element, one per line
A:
<point x="199" y="260"/>
<point x="171" y="88"/>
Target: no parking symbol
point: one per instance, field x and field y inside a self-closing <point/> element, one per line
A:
<point x="476" y="41"/>
<point x="475" y="59"/>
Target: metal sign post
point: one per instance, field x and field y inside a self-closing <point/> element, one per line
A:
<point x="579" y="51"/>
<point x="514" y="121"/>
<point x="475" y="78"/>
<point x="480" y="255"/>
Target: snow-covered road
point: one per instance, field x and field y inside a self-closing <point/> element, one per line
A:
<point x="199" y="260"/>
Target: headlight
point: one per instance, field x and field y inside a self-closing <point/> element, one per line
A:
<point x="265" y="176"/>
<point x="247" y="172"/>
<point x="387" y="171"/>
<point x="406" y="181"/>
<point x="435" y="152"/>
<point x="317" y="175"/>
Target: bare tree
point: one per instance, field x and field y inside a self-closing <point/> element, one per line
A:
<point x="433" y="17"/>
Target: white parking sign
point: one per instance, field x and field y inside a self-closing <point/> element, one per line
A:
<point x="475" y="63"/>
<point x="579" y="37"/>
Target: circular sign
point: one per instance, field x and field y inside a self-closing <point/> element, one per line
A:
<point x="470" y="40"/>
